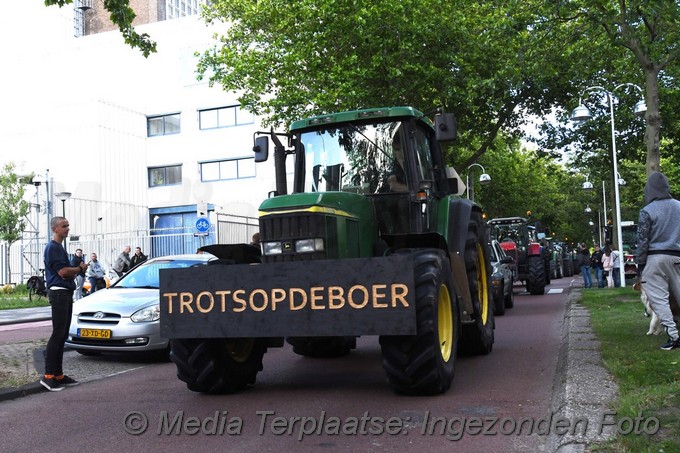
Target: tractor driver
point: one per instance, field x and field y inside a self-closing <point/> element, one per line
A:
<point x="397" y="178"/>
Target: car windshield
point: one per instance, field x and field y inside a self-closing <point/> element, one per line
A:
<point x="146" y="275"/>
<point x="352" y="158"/>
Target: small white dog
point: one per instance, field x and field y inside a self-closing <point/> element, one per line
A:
<point x="655" y="326"/>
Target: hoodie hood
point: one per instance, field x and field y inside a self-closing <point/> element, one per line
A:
<point x="657" y="187"/>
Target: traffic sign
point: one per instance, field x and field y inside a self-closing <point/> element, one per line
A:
<point x="202" y="225"/>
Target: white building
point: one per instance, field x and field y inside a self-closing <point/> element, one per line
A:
<point x="138" y="142"/>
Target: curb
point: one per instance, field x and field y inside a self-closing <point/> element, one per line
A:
<point x="11" y="393"/>
<point x="23" y="321"/>
<point x="583" y="388"/>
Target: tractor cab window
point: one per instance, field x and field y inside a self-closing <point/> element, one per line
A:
<point x="421" y="145"/>
<point x="357" y="158"/>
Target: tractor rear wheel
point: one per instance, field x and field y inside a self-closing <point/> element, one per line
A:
<point x="217" y="365"/>
<point x="536" y="280"/>
<point x="424" y="363"/>
<point x="478" y="336"/>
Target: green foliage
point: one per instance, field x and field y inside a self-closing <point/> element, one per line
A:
<point x="13" y="207"/>
<point x="648" y="378"/>
<point x="493" y="64"/>
<point x="121" y="15"/>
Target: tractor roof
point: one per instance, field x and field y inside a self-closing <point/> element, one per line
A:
<point x="360" y="115"/>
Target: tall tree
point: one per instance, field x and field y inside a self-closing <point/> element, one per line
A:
<point x="649" y="30"/>
<point x="13" y="210"/>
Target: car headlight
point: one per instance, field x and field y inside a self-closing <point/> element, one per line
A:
<point x="148" y="314"/>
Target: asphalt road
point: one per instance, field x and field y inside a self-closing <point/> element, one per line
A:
<point x="284" y="411"/>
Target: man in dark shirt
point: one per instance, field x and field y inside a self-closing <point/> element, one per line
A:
<point x="60" y="284"/>
<point x="137" y="258"/>
<point x="596" y="263"/>
<point x="80" y="278"/>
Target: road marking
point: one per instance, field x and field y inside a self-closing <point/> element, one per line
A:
<point x="550" y="291"/>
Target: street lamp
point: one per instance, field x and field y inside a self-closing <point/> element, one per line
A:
<point x="484" y="179"/>
<point x="63" y="196"/>
<point x="582" y="113"/>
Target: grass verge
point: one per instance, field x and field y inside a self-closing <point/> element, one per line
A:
<point x="648" y="378"/>
<point x="18" y="298"/>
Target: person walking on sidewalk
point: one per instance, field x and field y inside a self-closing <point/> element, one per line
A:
<point x="60" y="284"/>
<point x="583" y="260"/>
<point x="658" y="254"/>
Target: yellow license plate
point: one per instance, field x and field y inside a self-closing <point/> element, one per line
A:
<point x="94" y="333"/>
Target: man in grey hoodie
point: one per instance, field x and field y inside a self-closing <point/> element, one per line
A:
<point x="658" y="254"/>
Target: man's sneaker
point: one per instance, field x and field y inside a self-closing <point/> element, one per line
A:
<point x="67" y="380"/>
<point x="51" y="384"/>
<point x="671" y="344"/>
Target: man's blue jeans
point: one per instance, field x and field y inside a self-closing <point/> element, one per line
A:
<point x="587" y="279"/>
<point x="616" y="274"/>
<point x="599" y="275"/>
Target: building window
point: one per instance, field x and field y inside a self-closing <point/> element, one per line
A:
<point x="162" y="125"/>
<point x="224" y="117"/>
<point x="181" y="8"/>
<point x="165" y="176"/>
<point x="228" y="169"/>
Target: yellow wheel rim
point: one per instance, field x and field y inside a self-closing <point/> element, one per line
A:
<point x="482" y="293"/>
<point x="445" y="323"/>
<point x="240" y="350"/>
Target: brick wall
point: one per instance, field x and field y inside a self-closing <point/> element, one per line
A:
<point x="97" y="19"/>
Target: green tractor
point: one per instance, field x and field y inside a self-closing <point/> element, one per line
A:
<point x="370" y="237"/>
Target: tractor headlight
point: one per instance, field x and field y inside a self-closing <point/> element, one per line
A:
<point x="309" y="245"/>
<point x="272" y="248"/>
<point x="299" y="246"/>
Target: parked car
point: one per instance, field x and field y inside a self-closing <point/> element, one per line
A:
<point x="502" y="276"/>
<point x="101" y="284"/>
<point x="125" y="317"/>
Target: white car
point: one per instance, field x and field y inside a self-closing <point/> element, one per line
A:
<point x="125" y="317"/>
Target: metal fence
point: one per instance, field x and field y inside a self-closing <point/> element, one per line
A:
<point x="26" y="256"/>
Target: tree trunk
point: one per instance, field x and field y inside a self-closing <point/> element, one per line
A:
<point x="653" y="118"/>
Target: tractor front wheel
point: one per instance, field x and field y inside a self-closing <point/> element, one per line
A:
<point x="424" y="363"/>
<point x="217" y="365"/>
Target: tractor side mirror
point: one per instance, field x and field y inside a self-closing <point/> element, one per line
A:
<point x="261" y="148"/>
<point x="445" y="127"/>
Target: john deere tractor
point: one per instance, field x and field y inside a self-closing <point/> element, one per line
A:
<point x="370" y="237"/>
<point x="525" y="242"/>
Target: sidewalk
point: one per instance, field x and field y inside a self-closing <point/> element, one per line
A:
<point x="25" y="315"/>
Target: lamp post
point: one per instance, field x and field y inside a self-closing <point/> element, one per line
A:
<point x="63" y="196"/>
<point x="484" y="179"/>
<point x="582" y="113"/>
